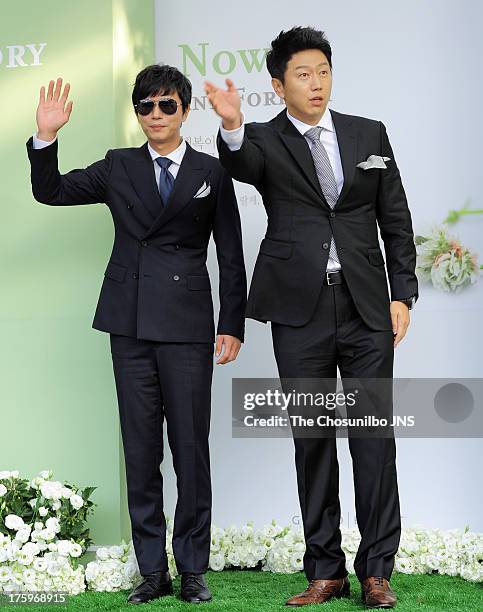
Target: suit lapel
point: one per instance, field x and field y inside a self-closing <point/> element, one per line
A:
<point x="141" y="174"/>
<point x="347" y="141"/>
<point x="300" y="151"/>
<point x="188" y="180"/>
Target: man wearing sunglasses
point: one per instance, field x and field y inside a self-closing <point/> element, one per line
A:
<point x="165" y="199"/>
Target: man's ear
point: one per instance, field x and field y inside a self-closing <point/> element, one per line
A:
<point x="278" y="87"/>
<point x="185" y="114"/>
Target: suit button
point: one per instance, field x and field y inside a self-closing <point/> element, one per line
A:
<point x="196" y="218"/>
<point x="332" y="214"/>
<point x="129" y="206"/>
<point x="135" y="275"/>
<point x="176" y="246"/>
<point x="325" y="245"/>
<point x="176" y="277"/>
<point x="144" y="243"/>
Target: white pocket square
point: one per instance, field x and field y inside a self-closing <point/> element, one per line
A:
<point x="373" y="161"/>
<point x="203" y="191"/>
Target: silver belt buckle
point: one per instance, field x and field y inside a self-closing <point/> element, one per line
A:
<point x="327" y="275"/>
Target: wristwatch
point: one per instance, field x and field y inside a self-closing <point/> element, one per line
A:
<point x="410" y="301"/>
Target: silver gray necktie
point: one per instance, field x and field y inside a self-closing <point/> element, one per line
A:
<point x="326" y="177"/>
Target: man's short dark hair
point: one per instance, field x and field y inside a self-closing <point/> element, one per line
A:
<point x="161" y="79"/>
<point x="290" y="42"/>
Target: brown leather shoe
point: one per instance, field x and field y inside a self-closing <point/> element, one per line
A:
<point x="377" y="593"/>
<point x="320" y="591"/>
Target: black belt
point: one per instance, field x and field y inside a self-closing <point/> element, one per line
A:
<point x="334" y="278"/>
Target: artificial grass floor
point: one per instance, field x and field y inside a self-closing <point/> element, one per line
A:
<point x="256" y="591"/>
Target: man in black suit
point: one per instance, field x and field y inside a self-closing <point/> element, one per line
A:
<point x="320" y="279"/>
<point x="165" y="199"/>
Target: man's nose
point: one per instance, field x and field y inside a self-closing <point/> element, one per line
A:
<point x="156" y="111"/>
<point x="316" y="82"/>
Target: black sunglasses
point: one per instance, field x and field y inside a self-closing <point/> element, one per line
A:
<point x="168" y="105"/>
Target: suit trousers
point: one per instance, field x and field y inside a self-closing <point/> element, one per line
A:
<point x="172" y="381"/>
<point x="336" y="336"/>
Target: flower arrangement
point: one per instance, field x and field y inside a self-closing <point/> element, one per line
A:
<point x="43" y="555"/>
<point x="443" y="260"/>
<point x="42" y="533"/>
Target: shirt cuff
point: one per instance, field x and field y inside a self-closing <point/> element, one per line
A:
<point x="37" y="143"/>
<point x="234" y="138"/>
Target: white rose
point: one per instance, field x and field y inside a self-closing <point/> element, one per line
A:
<point x="75" y="550"/>
<point x="40" y="564"/>
<point x="31" y="548"/>
<point x="43" y="511"/>
<point x="46" y="474"/>
<point x="51" y="490"/>
<point x="53" y="524"/>
<point x="47" y="534"/>
<point x="3" y="490"/>
<point x="23" y="557"/>
<point x="116" y="552"/>
<point x="217" y="562"/>
<point x="5" y="573"/>
<point x="76" y="501"/>
<point x="12" y="521"/>
<point x="92" y="571"/>
<point x="4" y="474"/>
<point x="63" y="547"/>
<point x="103" y="553"/>
<point x="23" y="534"/>
<point x="115" y="580"/>
<point x="56" y="505"/>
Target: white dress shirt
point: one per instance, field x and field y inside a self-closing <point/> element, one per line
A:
<point x="175" y="156"/>
<point x="328" y="137"/>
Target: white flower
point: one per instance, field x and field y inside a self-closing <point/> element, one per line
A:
<point x="103" y="553"/>
<point x="23" y="557"/>
<point x="56" y="504"/>
<point x="43" y="511"/>
<point x="92" y="571"/>
<point x="75" y="550"/>
<point x="76" y="501"/>
<point x="51" y="490"/>
<point x="12" y="521"/>
<point x="31" y="548"/>
<point x="4" y="475"/>
<point x="5" y="573"/>
<point x="40" y="564"/>
<point x="53" y="524"/>
<point x="23" y="534"/>
<point x="66" y="492"/>
<point x="47" y="534"/>
<point x="46" y="474"/>
<point x="3" y="490"/>
<point x="64" y="547"/>
<point x="217" y="561"/>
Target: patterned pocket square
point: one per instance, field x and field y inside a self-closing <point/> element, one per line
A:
<point x="373" y="161"/>
<point x="203" y="191"/>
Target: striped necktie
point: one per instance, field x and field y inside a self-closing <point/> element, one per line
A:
<point x="326" y="177"/>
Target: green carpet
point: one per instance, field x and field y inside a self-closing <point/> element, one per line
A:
<point x="254" y="591"/>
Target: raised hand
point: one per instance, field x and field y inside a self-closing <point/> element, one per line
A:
<point x="52" y="111"/>
<point x="226" y="103"/>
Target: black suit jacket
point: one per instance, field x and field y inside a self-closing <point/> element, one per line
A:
<point x="156" y="284"/>
<point x="288" y="273"/>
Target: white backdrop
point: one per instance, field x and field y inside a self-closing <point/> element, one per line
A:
<point x="414" y="66"/>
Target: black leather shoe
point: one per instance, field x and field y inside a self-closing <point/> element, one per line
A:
<point x="154" y="585"/>
<point x="194" y="588"/>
